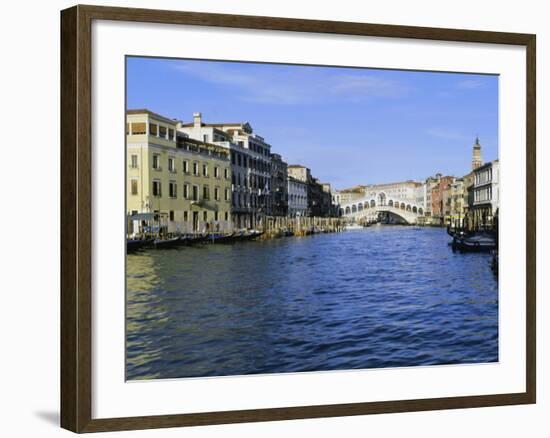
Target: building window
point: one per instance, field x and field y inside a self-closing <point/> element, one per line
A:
<point x="195" y="193"/>
<point x="156" y="162"/>
<point x="226" y="216"/>
<point x="226" y="197"/>
<point x="226" y="173"/>
<point x="172" y="215"/>
<point x="205" y="169"/>
<point x="139" y="128"/>
<point x="185" y="165"/>
<point x="134" y="187"/>
<point x="195" y="168"/>
<point x="134" y="161"/>
<point x="157" y="188"/>
<point x="170" y="133"/>
<point x="205" y="138"/>
<point x="205" y="216"/>
<point x="171" y="164"/>
<point x="162" y="131"/>
<point x="185" y="216"/>
<point x="186" y="191"/>
<point x="216" y="172"/>
<point x="153" y="129"/>
<point x="172" y="189"/>
<point x="216" y="216"/>
<point x="217" y="193"/>
<point x="206" y="192"/>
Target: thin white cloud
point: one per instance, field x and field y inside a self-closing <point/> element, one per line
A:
<point x="296" y="87"/>
<point x="447" y="134"/>
<point x="470" y="84"/>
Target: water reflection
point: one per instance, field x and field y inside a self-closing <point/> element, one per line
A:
<point x="381" y="297"/>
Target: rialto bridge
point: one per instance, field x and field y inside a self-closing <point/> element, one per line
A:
<point x="370" y="208"/>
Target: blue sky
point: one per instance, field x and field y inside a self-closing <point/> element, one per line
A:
<point x="350" y="126"/>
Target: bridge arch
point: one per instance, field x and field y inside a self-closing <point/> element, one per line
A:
<point x="376" y="202"/>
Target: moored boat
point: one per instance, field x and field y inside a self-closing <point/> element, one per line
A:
<point x="221" y="238"/>
<point x="350" y="227"/>
<point x="477" y="242"/>
<point x="172" y="242"/>
<point x="133" y="245"/>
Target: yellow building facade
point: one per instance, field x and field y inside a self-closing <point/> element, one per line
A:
<point x="184" y="184"/>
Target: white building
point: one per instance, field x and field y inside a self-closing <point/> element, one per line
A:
<point x="297" y="197"/>
<point x="486" y="193"/>
<point x="250" y="167"/>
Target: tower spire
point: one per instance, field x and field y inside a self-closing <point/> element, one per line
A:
<point x="477" y="161"/>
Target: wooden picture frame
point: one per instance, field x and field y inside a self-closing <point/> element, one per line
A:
<point x="76" y="217"/>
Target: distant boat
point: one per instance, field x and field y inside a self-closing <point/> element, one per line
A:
<point x="351" y="227"/>
<point x="477" y="242"/>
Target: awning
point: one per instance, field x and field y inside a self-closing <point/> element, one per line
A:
<point x="142" y="217"/>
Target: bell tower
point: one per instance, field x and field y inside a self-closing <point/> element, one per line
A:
<point x="477" y="161"/>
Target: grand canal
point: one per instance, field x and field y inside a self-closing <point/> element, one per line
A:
<point x="386" y="296"/>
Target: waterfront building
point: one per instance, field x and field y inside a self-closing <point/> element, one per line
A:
<point x="346" y="196"/>
<point x="319" y="201"/>
<point x="485" y="203"/>
<point x="250" y="167"/>
<point x="279" y="185"/>
<point x="441" y="200"/>
<point x="183" y="183"/>
<point x="297" y="197"/>
<point x="429" y="185"/>
<point x="329" y="204"/>
<point x="457" y="203"/>
<point x="404" y="190"/>
<point x="468" y="195"/>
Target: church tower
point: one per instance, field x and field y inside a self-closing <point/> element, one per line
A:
<point x="476" y="155"/>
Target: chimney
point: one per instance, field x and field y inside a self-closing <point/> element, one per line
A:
<point x="197" y="120"/>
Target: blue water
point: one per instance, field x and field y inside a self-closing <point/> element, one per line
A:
<point x="380" y="297"/>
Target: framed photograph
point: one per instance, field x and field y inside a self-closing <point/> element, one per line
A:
<point x="270" y="218"/>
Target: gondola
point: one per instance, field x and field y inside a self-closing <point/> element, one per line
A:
<point x="477" y="242"/>
<point x="172" y="242"/>
<point x="221" y="238"/>
<point x="251" y="235"/>
<point x="133" y="245"/>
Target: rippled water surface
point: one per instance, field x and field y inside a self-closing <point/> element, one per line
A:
<point x="379" y="297"/>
